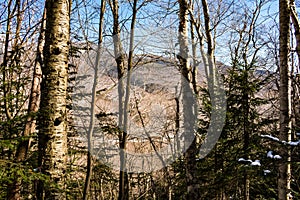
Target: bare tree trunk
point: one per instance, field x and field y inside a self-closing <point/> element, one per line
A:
<point x="123" y="182"/>
<point x="194" y="52"/>
<point x="19" y="24"/>
<point x="119" y="58"/>
<point x="92" y="119"/>
<point x="188" y="103"/>
<point x="284" y="100"/>
<point x="52" y="137"/>
<point x="210" y="49"/>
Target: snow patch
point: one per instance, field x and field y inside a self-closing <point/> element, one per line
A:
<point x="277" y="157"/>
<point x="244" y="160"/>
<point x="270" y="154"/>
<point x="270" y="137"/>
<point x="256" y="163"/>
<point x="266" y="171"/>
<point x="294" y="143"/>
<point x="291" y="143"/>
<point x="248" y="161"/>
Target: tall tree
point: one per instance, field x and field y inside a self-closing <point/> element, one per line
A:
<point x="284" y="99"/>
<point x="211" y="67"/>
<point x="188" y="103"/>
<point x="93" y="104"/>
<point x="120" y="60"/>
<point x="123" y="92"/>
<point x="52" y="137"/>
<point x="123" y="182"/>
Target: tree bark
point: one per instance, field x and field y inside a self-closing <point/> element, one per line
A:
<point x="188" y="103"/>
<point x="119" y="58"/>
<point x="124" y="186"/>
<point x="210" y="57"/>
<point x="52" y="137"/>
<point x="284" y="175"/>
<point x="93" y="106"/>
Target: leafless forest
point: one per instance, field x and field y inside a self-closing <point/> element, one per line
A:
<point x="149" y="99"/>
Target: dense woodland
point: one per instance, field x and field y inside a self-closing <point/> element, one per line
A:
<point x="148" y="99"/>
